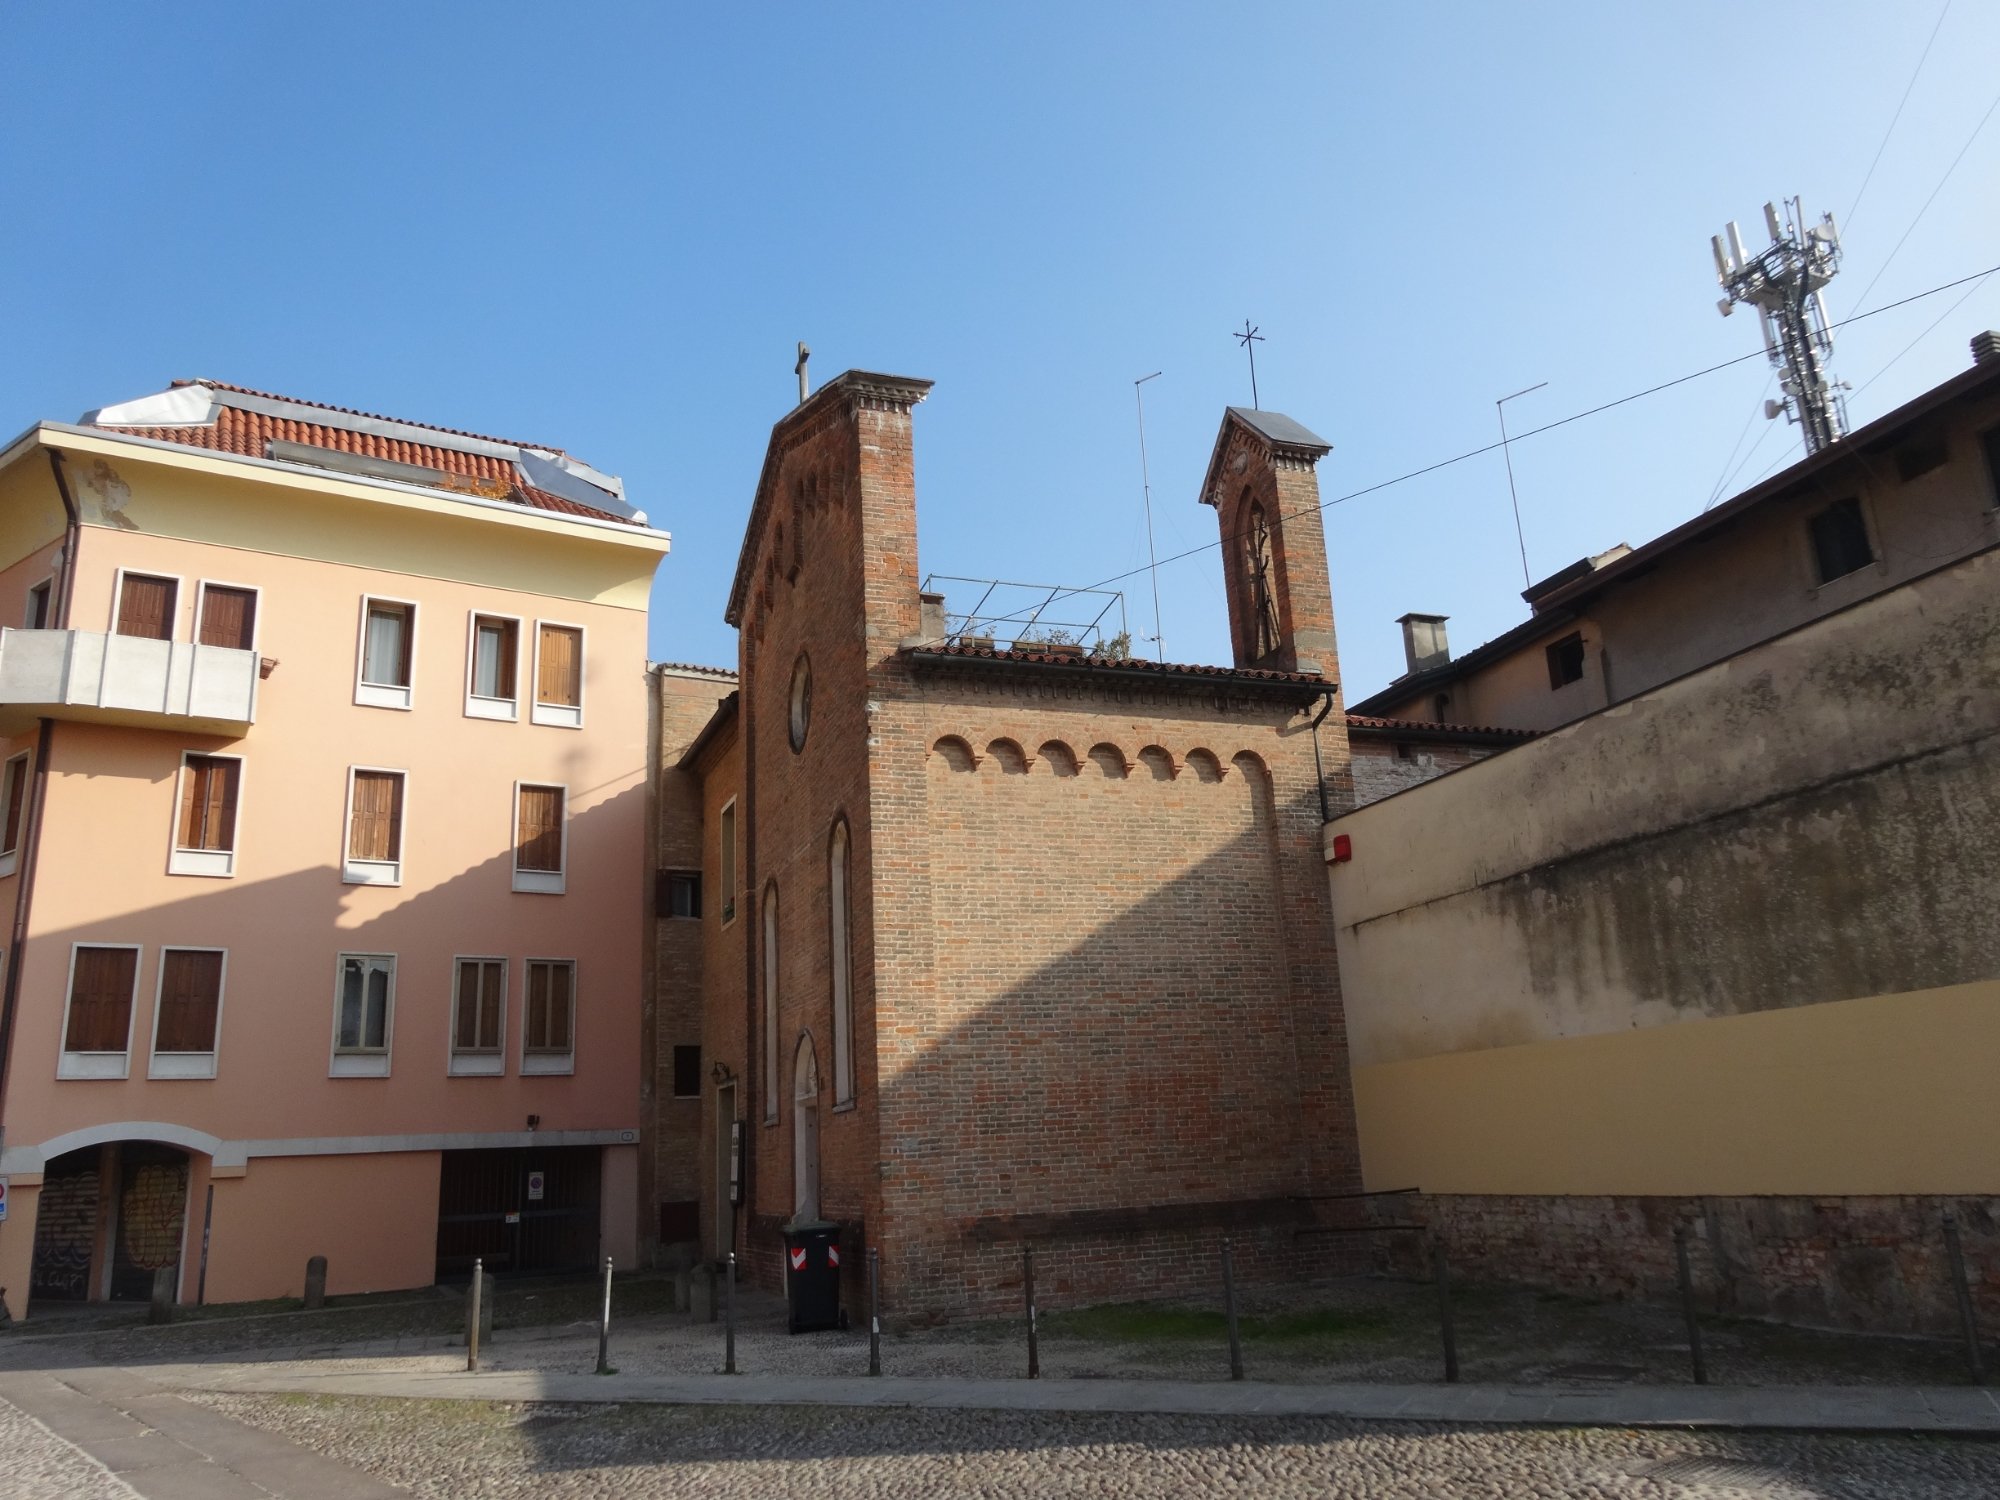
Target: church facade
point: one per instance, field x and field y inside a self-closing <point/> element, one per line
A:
<point x="967" y="948"/>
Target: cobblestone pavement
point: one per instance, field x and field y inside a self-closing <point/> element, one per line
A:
<point x="35" y="1464"/>
<point x="472" y="1451"/>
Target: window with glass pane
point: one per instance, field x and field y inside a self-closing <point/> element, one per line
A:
<point x="493" y="654"/>
<point x="15" y="790"/>
<point x="476" y="1016"/>
<point x="551" y="1006"/>
<point x="190" y="999"/>
<point x="385" y="648"/>
<point x="364" y="1003"/>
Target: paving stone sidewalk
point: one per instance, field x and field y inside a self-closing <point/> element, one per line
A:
<point x="1958" y="1410"/>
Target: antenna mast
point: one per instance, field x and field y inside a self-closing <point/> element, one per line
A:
<point x="1146" y="484"/>
<point x="1784" y="285"/>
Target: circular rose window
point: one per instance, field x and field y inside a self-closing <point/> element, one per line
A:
<point x="802" y="701"/>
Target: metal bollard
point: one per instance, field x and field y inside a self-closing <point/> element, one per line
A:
<point x="1229" y="1310"/>
<point x="1966" y="1320"/>
<point x="472" y="1316"/>
<point x="604" y="1325"/>
<point x="315" y="1283"/>
<point x="1687" y="1303"/>
<point x="1444" y="1307"/>
<point x="729" y="1318"/>
<point x="1028" y="1284"/>
<point x="874" y="1311"/>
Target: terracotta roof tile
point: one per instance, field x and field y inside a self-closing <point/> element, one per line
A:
<point x="1426" y="726"/>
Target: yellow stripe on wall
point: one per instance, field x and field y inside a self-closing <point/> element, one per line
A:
<point x="1882" y="1095"/>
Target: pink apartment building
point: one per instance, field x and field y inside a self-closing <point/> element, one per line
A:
<point x="323" y="751"/>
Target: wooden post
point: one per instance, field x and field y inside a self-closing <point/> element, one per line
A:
<point x="1966" y="1320"/>
<point x="1229" y="1310"/>
<point x="1028" y="1285"/>
<point x="1687" y="1304"/>
<point x="1443" y="1276"/>
<point x="472" y="1311"/>
<point x="315" y="1297"/>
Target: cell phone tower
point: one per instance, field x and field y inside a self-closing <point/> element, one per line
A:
<point x="1784" y="284"/>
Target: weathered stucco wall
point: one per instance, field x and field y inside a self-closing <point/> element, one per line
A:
<point x="1551" y="960"/>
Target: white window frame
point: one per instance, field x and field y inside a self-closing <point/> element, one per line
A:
<point x="361" y="1062"/>
<point x="256" y="592"/>
<point x="370" y="871"/>
<point x="382" y="694"/>
<point x="560" y="715"/>
<point x="551" y="1063"/>
<point x="508" y="710"/>
<point x="540" y="882"/>
<point x="217" y="864"/>
<point x="98" y="1064"/>
<point x="491" y="1064"/>
<point x="28" y="605"/>
<point x="10" y="859"/>
<point x="186" y="1064"/>
<point x="118" y="600"/>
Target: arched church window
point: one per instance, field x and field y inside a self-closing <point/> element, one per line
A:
<point x="801" y="702"/>
<point x="771" y="1004"/>
<point x="1263" y="580"/>
<point x="843" y="966"/>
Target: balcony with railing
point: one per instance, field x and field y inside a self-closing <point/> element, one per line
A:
<point x="91" y="677"/>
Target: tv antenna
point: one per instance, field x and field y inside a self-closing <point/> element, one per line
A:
<point x="1784" y="284"/>
<point x="1146" y="485"/>
<point x="1520" y="539"/>
<point x="1250" y="338"/>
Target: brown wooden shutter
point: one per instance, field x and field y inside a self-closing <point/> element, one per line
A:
<point x="194" y="797"/>
<point x="100" y="1000"/>
<point x="560" y="1003"/>
<point x="539" y="844"/>
<point x="190" y="995"/>
<point x="228" y="617"/>
<point x="377" y="828"/>
<point x="146" y="607"/>
<point x="208" y="803"/>
<point x="17" y="795"/>
<point x="534" y="1037"/>
<point x="465" y="1028"/>
<point x="560" y="680"/>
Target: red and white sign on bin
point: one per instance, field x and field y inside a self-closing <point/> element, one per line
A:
<point x="799" y="1258"/>
<point x="3" y="1197"/>
<point x="833" y="1255"/>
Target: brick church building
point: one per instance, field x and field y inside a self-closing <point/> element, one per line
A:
<point x="964" y="947"/>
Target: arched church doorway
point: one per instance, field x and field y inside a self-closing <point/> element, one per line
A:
<point x="805" y="1132"/>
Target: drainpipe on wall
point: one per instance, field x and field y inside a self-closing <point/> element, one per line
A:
<point x="753" y="951"/>
<point x="1319" y="768"/>
<point x="31" y="823"/>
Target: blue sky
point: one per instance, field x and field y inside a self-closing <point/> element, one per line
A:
<point x="605" y="226"/>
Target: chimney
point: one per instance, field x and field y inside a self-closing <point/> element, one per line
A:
<point x="1986" y="346"/>
<point x="930" y="619"/>
<point x="1424" y="645"/>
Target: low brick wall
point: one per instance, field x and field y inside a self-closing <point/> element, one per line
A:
<point x="1876" y="1263"/>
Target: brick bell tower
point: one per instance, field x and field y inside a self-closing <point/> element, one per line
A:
<point x="1263" y="483"/>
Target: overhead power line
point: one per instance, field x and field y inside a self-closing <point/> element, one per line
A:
<point x="1471" y="453"/>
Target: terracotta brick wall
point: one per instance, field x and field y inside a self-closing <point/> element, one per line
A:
<point x="1857" y="1262"/>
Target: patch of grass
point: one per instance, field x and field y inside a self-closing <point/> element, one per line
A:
<point x="1159" y="1322"/>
